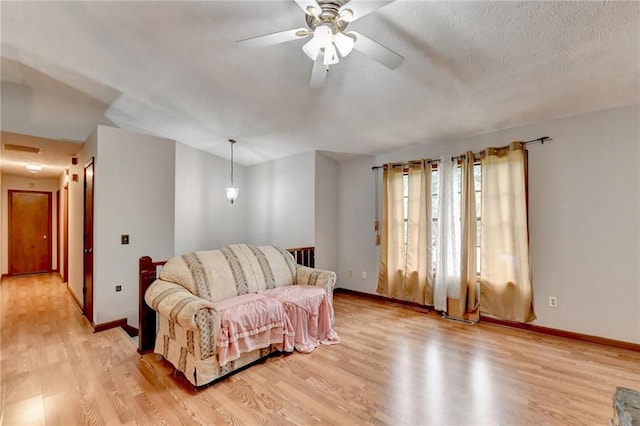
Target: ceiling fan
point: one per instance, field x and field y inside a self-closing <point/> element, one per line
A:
<point x="327" y="21"/>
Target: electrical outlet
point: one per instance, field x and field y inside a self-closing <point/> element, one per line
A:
<point x="118" y="288"/>
<point x="364" y="275"/>
<point x="553" y="302"/>
<point x="350" y="273"/>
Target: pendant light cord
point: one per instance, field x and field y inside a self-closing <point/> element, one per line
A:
<point x="231" y="141"/>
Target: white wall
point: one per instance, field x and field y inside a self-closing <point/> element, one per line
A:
<point x="584" y="209"/>
<point x="281" y="202"/>
<point x="326" y="227"/>
<point x="358" y="252"/>
<point x="204" y="218"/>
<point x="134" y="195"/>
<point x="28" y="184"/>
<point x="290" y="202"/>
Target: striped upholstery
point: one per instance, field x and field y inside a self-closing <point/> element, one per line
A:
<point x="208" y="274"/>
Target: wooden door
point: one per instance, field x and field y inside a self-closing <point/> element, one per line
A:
<point x="87" y="289"/>
<point x="29" y="232"/>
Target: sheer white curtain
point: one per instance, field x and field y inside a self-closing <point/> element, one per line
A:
<point x="448" y="274"/>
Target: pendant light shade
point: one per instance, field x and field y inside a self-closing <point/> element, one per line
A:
<point x="232" y="191"/>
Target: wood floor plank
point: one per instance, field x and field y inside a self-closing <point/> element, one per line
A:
<point x="395" y="365"/>
<point x="63" y="409"/>
<point x="25" y="412"/>
<point x="20" y="386"/>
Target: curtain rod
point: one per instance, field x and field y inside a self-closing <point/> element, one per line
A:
<point x="541" y="139"/>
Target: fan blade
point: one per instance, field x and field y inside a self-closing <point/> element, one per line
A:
<point x="305" y="4"/>
<point x="380" y="53"/>
<point x="319" y="72"/>
<point x="274" y="38"/>
<point x="357" y="9"/>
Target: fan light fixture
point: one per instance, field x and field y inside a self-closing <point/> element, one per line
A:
<point x="231" y="191"/>
<point x="324" y="38"/>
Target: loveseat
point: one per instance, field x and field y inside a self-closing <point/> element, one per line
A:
<point x="223" y="309"/>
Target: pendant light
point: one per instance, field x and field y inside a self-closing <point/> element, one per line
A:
<point x="232" y="191"/>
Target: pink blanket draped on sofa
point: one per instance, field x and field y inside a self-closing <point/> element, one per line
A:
<point x="308" y="309"/>
<point x="252" y="321"/>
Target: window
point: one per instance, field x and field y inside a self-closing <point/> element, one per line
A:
<point x="477" y="176"/>
<point x="499" y="240"/>
<point x="477" y="179"/>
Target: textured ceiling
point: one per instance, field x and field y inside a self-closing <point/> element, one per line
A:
<point x="173" y="69"/>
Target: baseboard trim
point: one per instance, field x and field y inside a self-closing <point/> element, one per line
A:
<point x="386" y="299"/>
<point x="619" y="344"/>
<point x="97" y="328"/>
<point x="74" y="298"/>
<point x="130" y="330"/>
<point x="122" y="322"/>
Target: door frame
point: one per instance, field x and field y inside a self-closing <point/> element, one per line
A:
<point x="87" y="290"/>
<point x="58" y="206"/>
<point x="65" y="241"/>
<point x="10" y="227"/>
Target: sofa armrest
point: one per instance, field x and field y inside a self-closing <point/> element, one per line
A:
<point x="179" y="304"/>
<point x="320" y="278"/>
<point x="316" y="277"/>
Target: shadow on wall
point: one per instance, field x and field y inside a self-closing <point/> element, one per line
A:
<point x="36" y="102"/>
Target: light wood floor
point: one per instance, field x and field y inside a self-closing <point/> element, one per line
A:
<point x="396" y="365"/>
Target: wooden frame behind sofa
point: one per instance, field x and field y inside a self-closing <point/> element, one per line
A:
<point x="147" y="274"/>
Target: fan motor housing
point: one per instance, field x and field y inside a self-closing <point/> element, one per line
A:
<point x="328" y="16"/>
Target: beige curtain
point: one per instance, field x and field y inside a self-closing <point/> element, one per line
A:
<point x="419" y="276"/>
<point x="406" y="276"/>
<point x="505" y="277"/>
<point x="468" y="300"/>
<point x="392" y="262"/>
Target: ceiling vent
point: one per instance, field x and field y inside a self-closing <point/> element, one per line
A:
<point x="21" y="148"/>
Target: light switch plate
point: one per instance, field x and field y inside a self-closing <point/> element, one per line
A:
<point x="124" y="239"/>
